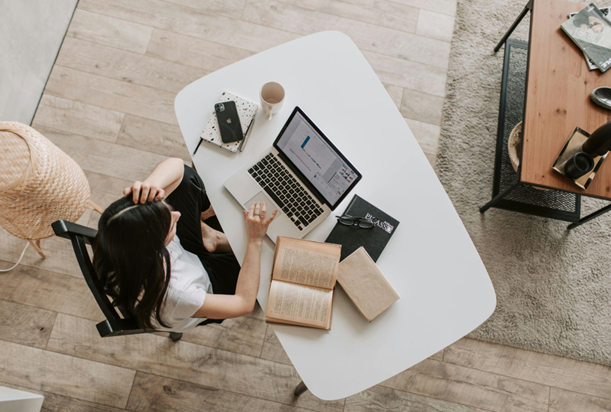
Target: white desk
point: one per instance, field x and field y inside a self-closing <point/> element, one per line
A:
<point x="431" y="261"/>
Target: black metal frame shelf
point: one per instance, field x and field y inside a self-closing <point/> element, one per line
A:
<point x="508" y="192"/>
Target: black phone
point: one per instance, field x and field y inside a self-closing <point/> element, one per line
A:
<point x="230" y="127"/>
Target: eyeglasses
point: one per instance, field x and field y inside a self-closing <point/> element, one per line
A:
<point x="361" y="222"/>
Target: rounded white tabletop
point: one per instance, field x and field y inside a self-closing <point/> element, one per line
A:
<point x="430" y="260"/>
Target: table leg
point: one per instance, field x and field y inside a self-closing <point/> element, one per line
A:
<point x="300" y="389"/>
<point x="36" y="245"/>
<point x="526" y="9"/>
<point x="590" y="217"/>
<point x="497" y="198"/>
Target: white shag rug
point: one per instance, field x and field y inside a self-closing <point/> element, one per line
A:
<point x="553" y="286"/>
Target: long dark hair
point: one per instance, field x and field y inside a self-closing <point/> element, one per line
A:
<point x="129" y="256"/>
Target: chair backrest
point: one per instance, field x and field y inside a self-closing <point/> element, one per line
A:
<point x="114" y="325"/>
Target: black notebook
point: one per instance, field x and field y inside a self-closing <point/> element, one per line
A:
<point x="374" y="240"/>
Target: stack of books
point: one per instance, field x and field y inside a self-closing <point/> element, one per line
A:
<point x="305" y="273"/>
<point x="591" y="32"/>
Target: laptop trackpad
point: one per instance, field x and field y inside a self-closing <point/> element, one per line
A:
<point x="262" y="197"/>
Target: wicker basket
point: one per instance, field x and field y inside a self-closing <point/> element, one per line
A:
<point x="39" y="184"/>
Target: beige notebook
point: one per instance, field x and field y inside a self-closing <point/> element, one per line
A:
<point x="303" y="277"/>
<point x="365" y="284"/>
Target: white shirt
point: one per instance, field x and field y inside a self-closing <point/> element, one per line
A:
<point x="189" y="283"/>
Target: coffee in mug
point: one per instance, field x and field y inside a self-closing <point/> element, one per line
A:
<point x="272" y="97"/>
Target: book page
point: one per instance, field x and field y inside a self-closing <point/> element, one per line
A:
<point x="300" y="304"/>
<point x="306" y="262"/>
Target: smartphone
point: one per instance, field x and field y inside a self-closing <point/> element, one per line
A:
<point x="228" y="119"/>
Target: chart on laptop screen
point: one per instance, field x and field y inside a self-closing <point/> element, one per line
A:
<point x="318" y="161"/>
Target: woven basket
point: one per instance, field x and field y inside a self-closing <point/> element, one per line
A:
<point x="39" y="183"/>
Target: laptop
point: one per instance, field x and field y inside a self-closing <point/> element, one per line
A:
<point x="303" y="175"/>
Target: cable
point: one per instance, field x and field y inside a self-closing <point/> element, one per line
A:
<point x="19" y="261"/>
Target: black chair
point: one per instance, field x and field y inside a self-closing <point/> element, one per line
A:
<point x="114" y="325"/>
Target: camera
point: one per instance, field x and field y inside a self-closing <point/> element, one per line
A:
<point x="219" y="107"/>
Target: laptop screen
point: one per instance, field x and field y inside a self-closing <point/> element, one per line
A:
<point x="316" y="158"/>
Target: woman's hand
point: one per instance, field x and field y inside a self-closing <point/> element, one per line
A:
<point x="143" y="192"/>
<point x="256" y="224"/>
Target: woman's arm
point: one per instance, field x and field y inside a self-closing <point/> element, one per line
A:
<point x="161" y="182"/>
<point x="243" y="302"/>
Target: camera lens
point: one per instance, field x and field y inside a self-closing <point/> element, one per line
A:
<point x="578" y="165"/>
<point x="220" y="107"/>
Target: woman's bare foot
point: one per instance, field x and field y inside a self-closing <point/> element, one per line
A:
<point x="208" y="213"/>
<point x="214" y="241"/>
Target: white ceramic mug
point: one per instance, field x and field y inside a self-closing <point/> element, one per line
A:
<point x="272" y="97"/>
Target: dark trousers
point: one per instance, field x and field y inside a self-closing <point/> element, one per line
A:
<point x="190" y="199"/>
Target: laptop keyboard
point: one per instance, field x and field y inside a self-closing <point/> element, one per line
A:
<point x="286" y="191"/>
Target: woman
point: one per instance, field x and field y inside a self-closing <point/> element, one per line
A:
<point x="163" y="265"/>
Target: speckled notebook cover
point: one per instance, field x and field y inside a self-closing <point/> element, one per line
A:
<point x="246" y="110"/>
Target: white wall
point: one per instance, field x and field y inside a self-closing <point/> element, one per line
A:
<point x="31" y="32"/>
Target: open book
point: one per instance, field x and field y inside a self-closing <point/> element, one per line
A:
<point x="303" y="277"/>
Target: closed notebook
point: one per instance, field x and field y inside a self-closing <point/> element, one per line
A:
<point x="374" y="240"/>
<point x="246" y="111"/>
<point x="365" y="284"/>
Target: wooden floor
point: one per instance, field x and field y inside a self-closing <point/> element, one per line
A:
<point x="109" y="104"/>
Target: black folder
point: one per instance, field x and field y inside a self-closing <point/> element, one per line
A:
<point x="374" y="240"/>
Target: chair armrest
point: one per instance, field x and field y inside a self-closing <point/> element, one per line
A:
<point x="63" y="228"/>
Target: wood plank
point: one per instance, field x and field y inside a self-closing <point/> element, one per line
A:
<point x="59" y="403"/>
<point x="191" y="22"/>
<point x="102" y="184"/>
<point x="48" y="290"/>
<point x="438" y="356"/>
<point x="272" y="348"/>
<point x="64" y="375"/>
<point x="104" y="158"/>
<point x="422" y="107"/>
<point x="106" y="30"/>
<point x="410" y="75"/>
<point x="567" y="401"/>
<point x="90" y="121"/>
<point x="395" y="93"/>
<point x="153" y="136"/>
<point x="104" y="190"/>
<point x="432" y="159"/>
<point x="229" y="8"/>
<point x="191" y="51"/>
<point x="60" y="256"/>
<point x="257" y="312"/>
<point x="435" y="25"/>
<point x="366" y="36"/>
<point x="155" y="393"/>
<point x="243" y="335"/>
<point x="25" y="325"/>
<point x="56" y="403"/>
<point x="112" y="94"/>
<point x="126" y="66"/>
<point x="427" y="135"/>
<point x="377" y="12"/>
<point x="469" y="387"/>
<point x="379" y="398"/>
<point x="558" y="100"/>
<point x="584" y="377"/>
<point x="185" y="361"/>
<point x="447" y="7"/>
